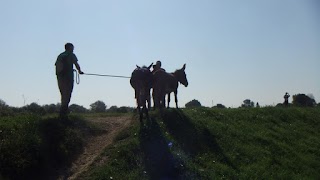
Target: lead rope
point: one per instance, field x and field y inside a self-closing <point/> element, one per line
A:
<point x="106" y="75"/>
<point x="77" y="76"/>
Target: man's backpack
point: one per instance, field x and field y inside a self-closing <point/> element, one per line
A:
<point x="61" y="69"/>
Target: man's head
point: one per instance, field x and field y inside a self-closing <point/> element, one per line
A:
<point x="69" y="47"/>
<point x="158" y="63"/>
<point x="157" y="66"/>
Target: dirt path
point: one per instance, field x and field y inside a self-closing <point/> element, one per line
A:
<point x="96" y="144"/>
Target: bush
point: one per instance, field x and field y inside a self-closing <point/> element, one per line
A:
<point x="193" y="103"/>
<point x="303" y="100"/>
<point x="98" y="106"/>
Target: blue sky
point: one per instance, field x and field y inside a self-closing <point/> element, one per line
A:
<point x="234" y="50"/>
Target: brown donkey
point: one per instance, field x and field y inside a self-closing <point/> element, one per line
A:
<point x="141" y="81"/>
<point x="165" y="83"/>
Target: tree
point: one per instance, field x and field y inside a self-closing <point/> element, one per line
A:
<point x="113" y="109"/>
<point x="219" y="106"/>
<point x="303" y="100"/>
<point x="5" y="110"/>
<point x="34" y="108"/>
<point x="77" y="108"/>
<point x="2" y="103"/>
<point x="193" y="103"/>
<point x="247" y="103"/>
<point x="51" y="108"/>
<point x="98" y="106"/>
<point x="122" y="109"/>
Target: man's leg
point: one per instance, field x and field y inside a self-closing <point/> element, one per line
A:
<point x="66" y="87"/>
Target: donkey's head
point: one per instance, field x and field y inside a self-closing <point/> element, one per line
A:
<point x="181" y="76"/>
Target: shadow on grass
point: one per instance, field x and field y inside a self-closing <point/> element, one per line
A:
<point x="193" y="140"/>
<point x="63" y="141"/>
<point x="158" y="160"/>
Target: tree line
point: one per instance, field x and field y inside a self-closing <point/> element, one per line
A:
<point x="298" y="100"/>
<point x="96" y="107"/>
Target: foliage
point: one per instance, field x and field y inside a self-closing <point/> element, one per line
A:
<point x="5" y="109"/>
<point x="98" y="106"/>
<point x="2" y="103"/>
<point x="122" y="109"/>
<point x="52" y="108"/>
<point x="247" y="103"/>
<point x="193" y="103"/>
<point x="77" y="108"/>
<point x="303" y="100"/>
<point x="219" y="106"/>
<point x="34" y="108"/>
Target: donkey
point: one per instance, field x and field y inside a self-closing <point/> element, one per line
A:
<point x="141" y="81"/>
<point x="164" y="83"/>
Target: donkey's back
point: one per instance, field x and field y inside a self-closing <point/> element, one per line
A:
<point x="141" y="81"/>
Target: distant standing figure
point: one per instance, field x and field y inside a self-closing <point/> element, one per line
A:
<point x="64" y="72"/>
<point x="286" y="97"/>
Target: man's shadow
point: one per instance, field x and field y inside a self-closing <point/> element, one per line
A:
<point x="158" y="160"/>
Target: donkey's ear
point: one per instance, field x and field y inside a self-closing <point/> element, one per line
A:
<point x="150" y="66"/>
<point x="184" y="67"/>
<point x="138" y="66"/>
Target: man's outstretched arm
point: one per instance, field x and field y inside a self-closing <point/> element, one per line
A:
<point x="78" y="67"/>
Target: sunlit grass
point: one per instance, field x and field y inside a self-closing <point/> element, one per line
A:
<point x="200" y="143"/>
<point x="206" y="143"/>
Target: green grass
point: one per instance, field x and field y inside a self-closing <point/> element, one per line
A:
<point x="203" y="143"/>
<point x="200" y="143"/>
<point x="36" y="147"/>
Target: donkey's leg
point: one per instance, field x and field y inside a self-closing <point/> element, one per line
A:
<point x="146" y="111"/>
<point x="140" y="114"/>
<point x="176" y="98"/>
<point x="155" y="97"/>
<point x="168" y="95"/>
<point x="163" y="100"/>
<point x="149" y="100"/>
<point x="139" y="109"/>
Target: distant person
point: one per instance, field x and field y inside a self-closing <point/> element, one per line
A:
<point x="64" y="72"/>
<point x="157" y="67"/>
<point x="286" y="98"/>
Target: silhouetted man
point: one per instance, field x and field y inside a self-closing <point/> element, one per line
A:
<point x="286" y="97"/>
<point x="64" y="72"/>
<point x="157" y="67"/>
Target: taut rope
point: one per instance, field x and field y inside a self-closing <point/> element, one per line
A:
<point x="106" y="75"/>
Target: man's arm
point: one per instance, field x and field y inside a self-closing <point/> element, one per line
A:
<point x="75" y="62"/>
<point x="78" y="67"/>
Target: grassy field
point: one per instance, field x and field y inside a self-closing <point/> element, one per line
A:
<point x="203" y="143"/>
<point x="200" y="143"/>
<point x="34" y="147"/>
